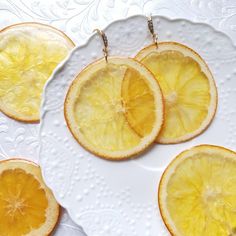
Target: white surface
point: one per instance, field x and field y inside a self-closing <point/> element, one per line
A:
<point x="78" y="18"/>
<point x="120" y="198"/>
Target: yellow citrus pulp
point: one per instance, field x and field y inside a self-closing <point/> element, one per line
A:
<point x="197" y="192"/>
<point x="29" y="52"/>
<point x="27" y="206"/>
<point x="138" y="103"/>
<point x="188" y="88"/>
<point x="101" y="97"/>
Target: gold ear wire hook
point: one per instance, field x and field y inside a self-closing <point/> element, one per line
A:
<point x="151" y="29"/>
<point x="105" y="42"/>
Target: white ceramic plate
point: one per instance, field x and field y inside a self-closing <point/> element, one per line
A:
<point x="120" y="198"/>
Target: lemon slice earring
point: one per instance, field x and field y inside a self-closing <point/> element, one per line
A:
<point x="188" y="87"/>
<point x="106" y="94"/>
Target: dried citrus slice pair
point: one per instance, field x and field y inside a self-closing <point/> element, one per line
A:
<point x="118" y="111"/>
<point x="27" y="206"/>
<point x="197" y="192"/>
<point x="29" y="52"/>
<point x="102" y="97"/>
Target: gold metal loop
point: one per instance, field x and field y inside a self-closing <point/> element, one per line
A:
<point x="105" y="42"/>
<point x="151" y="29"/>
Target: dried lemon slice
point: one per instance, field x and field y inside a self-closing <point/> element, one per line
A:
<point x="27" y="206"/>
<point x="95" y="111"/>
<point x="29" y="52"/>
<point x="188" y="87"/>
<point x="197" y="192"/>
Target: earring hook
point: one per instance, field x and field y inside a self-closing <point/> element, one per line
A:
<point x="105" y="42"/>
<point x="151" y="29"/>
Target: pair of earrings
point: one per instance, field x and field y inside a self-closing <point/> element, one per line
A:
<point x="117" y="107"/>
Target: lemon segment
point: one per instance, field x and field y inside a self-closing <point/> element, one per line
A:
<point x="95" y="110"/>
<point x="29" y="53"/>
<point x="139" y="103"/>
<point x="197" y="192"/>
<point x="188" y="87"/>
<point x="25" y="201"/>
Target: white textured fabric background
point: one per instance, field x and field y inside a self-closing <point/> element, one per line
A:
<point x="78" y="18"/>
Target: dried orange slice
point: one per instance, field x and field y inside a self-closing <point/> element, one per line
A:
<point x="29" y="52"/>
<point x="95" y="110"/>
<point x="197" y="192"/>
<point x="27" y="206"/>
<point x="188" y="87"/>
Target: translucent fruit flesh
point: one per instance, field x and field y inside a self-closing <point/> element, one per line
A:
<point x="100" y="114"/>
<point x="139" y="103"/>
<point x="28" y="55"/>
<point x="27" y="207"/>
<point x="199" y="196"/>
<point x="22" y="203"/>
